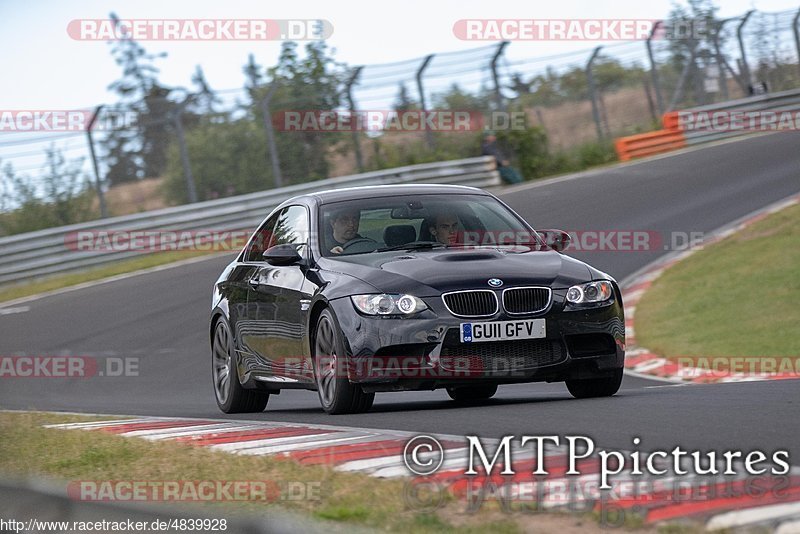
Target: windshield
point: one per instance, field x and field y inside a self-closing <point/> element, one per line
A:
<point x="374" y="225"/>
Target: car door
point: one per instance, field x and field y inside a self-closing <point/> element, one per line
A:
<point x="277" y="304"/>
<point x="241" y="316"/>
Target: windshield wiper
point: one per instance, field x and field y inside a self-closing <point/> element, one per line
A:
<point x="413" y="246"/>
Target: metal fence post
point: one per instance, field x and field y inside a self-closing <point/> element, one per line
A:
<point x="98" y="183"/>
<point x="497" y="94"/>
<point x="352" y="105"/>
<point x="271" y="145"/>
<point x="796" y="32"/>
<point x="721" y="63"/>
<point x="747" y="81"/>
<point x="421" y="91"/>
<point x="678" y="94"/>
<point x="654" y="69"/>
<point x="593" y="94"/>
<point x="191" y="190"/>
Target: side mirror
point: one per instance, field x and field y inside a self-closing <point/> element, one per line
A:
<point x="285" y="254"/>
<point x="558" y="240"/>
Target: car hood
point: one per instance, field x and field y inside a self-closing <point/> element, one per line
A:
<point x="430" y="272"/>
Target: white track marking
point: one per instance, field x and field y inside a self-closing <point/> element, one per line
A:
<point x="738" y="518"/>
<point x="98" y="424"/>
<point x="262" y="444"/>
<point x="176" y="432"/>
<point x="12" y="311"/>
<point x="300" y="445"/>
<point x="789" y="527"/>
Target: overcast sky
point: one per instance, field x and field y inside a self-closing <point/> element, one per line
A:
<point x="43" y="68"/>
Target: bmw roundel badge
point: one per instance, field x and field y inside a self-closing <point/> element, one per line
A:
<point x="495" y="282"/>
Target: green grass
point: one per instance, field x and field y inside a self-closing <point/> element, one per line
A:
<point x="736" y="298"/>
<point x="15" y="291"/>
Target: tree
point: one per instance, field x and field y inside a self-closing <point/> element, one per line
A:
<point x="61" y="196"/>
<point x="229" y="151"/>
<point x="456" y="99"/>
<point x="204" y="97"/>
<point x="404" y="102"/>
<point x="314" y="84"/>
<point x="141" y="152"/>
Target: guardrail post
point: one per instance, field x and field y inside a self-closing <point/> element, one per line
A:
<point x="98" y="183"/>
<point x="351" y="103"/>
<point x="593" y="93"/>
<point x="746" y="80"/>
<point x="497" y="94"/>
<point x="654" y="69"/>
<point x="273" y="148"/>
<point x="421" y="91"/>
<point x="191" y="190"/>
<point x="796" y="32"/>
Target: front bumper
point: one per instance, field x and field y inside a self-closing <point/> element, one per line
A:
<point x="424" y="352"/>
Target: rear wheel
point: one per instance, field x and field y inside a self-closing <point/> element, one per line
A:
<point x="231" y="396"/>
<point x="595" y="387"/>
<point x="472" y="393"/>
<point x="337" y="394"/>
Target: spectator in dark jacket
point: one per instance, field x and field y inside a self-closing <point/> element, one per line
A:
<point x="489" y="148"/>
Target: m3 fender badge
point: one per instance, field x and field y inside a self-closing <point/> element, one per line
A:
<point x="495" y="282"/>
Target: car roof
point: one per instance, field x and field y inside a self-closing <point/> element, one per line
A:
<point x="371" y="191"/>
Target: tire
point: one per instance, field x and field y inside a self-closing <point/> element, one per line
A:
<point x="337" y="394"/>
<point x="472" y="393"/>
<point x="230" y="395"/>
<point x="595" y="387"/>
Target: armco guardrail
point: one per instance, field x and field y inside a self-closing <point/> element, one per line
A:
<point x="700" y="125"/>
<point x="648" y="144"/>
<point x="27" y="256"/>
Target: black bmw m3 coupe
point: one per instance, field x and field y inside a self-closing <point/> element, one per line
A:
<point x="355" y="291"/>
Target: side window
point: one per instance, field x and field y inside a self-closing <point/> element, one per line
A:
<point x="260" y="240"/>
<point x="291" y="227"/>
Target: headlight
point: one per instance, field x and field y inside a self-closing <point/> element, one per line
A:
<point x="388" y="304"/>
<point x="590" y="293"/>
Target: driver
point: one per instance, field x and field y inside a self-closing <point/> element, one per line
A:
<point x="444" y="228"/>
<point x="345" y="231"/>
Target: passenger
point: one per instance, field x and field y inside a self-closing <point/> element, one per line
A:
<point x="444" y="228"/>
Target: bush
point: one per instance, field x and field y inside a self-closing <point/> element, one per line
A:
<point x="527" y="149"/>
<point x="227" y="158"/>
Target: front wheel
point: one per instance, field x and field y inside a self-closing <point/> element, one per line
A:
<point x="472" y="393"/>
<point x="231" y="396"/>
<point x="595" y="387"/>
<point x="337" y="394"/>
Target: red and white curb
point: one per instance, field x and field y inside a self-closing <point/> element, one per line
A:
<point x="380" y="453"/>
<point x="641" y="361"/>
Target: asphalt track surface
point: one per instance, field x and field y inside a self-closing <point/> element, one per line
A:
<point x="162" y="319"/>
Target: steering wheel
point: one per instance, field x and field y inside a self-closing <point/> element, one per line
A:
<point x="359" y="240"/>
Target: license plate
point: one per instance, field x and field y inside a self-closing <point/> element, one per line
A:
<point x="503" y="330"/>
